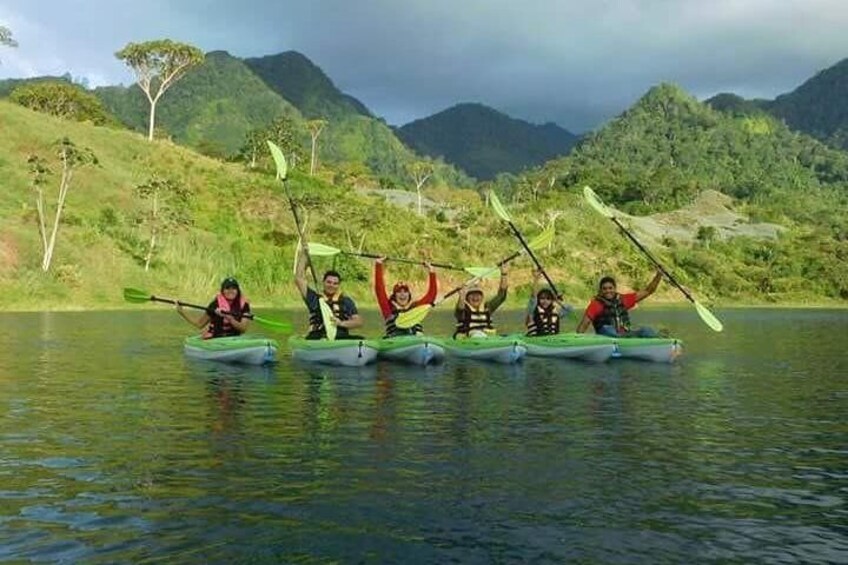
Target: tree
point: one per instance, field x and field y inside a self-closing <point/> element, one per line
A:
<point x="71" y="157"/>
<point x="62" y="99"/>
<point x="159" y="64"/>
<point x="420" y="171"/>
<point x="283" y="131"/>
<point x="6" y="37"/>
<point x="315" y="129"/>
<point x="168" y="209"/>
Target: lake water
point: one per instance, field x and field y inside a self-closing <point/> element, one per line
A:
<point x="114" y="448"/>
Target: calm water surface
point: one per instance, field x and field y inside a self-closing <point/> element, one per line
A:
<point x="114" y="448"/>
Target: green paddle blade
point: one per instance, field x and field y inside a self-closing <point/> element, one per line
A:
<point x="415" y="316"/>
<point x="596" y="203"/>
<point x="327" y="318"/>
<point x="498" y="207"/>
<point x="543" y="239"/>
<point x="708" y="317"/>
<point x="273" y="325"/>
<point x="482" y="272"/>
<point x="136" y="295"/>
<point x="321" y="250"/>
<point x="279" y="160"/>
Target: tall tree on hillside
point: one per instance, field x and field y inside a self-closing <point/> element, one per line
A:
<point x="420" y="171"/>
<point x="169" y="209"/>
<point x="72" y="157"/>
<point x="315" y="129"/>
<point x="159" y="64"/>
<point x="283" y="131"/>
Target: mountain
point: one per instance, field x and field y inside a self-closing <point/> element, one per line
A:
<point x="484" y="142"/>
<point x="819" y="106"/>
<point x="213" y="106"/>
<point x="297" y="79"/>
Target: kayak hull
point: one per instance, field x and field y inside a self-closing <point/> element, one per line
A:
<point x="655" y="350"/>
<point x="243" y="350"/>
<point x="583" y="347"/>
<point x="412" y="350"/>
<point x="497" y="349"/>
<point x="341" y="352"/>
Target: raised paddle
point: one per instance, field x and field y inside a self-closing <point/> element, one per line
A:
<point x="138" y="296"/>
<point x="501" y="211"/>
<point x="416" y="315"/>
<point x="596" y="203"/>
<point x="282" y="174"/>
<point x="321" y="250"/>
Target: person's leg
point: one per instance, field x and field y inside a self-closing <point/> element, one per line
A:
<point x="644" y="331"/>
<point x="608" y="331"/>
<point x="316" y="334"/>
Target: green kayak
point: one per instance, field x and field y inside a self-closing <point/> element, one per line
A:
<point x="655" y="349"/>
<point x="412" y="349"/>
<point x="345" y="352"/>
<point x="585" y="347"/>
<point x="245" y="349"/>
<point x="499" y="349"/>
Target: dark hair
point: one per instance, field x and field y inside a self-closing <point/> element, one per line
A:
<point x="606" y="280"/>
<point x="546" y="293"/>
<point x="332" y="273"/>
<point x="230" y="282"/>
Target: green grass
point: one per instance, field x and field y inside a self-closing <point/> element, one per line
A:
<point x="242" y="226"/>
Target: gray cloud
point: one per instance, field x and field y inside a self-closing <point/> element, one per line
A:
<point x="573" y="62"/>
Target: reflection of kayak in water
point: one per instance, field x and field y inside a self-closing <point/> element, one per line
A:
<point x="248" y="350"/>
<point x="412" y="349"/>
<point x="498" y="349"/>
<point x="585" y="347"/>
<point x="344" y="352"/>
<point x="656" y="349"/>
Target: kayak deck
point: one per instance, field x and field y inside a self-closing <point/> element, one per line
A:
<point x="498" y="349"/>
<point x="248" y="350"/>
<point x="343" y="352"/>
<point x="584" y="347"/>
<point x="654" y="349"/>
<point x="412" y="349"/>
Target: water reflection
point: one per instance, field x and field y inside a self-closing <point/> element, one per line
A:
<point x="114" y="448"/>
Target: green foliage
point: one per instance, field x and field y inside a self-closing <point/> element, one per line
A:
<point x="484" y="142"/>
<point x="63" y="100"/>
<point x="285" y="133"/>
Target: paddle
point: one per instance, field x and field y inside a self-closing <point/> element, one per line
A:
<point x="282" y="174"/>
<point x="596" y="203"/>
<point x="321" y="250"/>
<point x="501" y="211"/>
<point x="138" y="296"/>
<point x="416" y="315"/>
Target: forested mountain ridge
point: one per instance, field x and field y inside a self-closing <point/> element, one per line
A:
<point x="484" y="142"/>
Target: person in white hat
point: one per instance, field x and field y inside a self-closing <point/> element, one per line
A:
<point x="474" y="314"/>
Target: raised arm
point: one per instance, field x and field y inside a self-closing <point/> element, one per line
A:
<point x="300" y="270"/>
<point x="651" y="288"/>
<point x="499" y="298"/>
<point x="432" y="287"/>
<point x="380" y="288"/>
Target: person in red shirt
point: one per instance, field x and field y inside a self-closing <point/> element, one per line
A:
<point x="401" y="299"/>
<point x="608" y="311"/>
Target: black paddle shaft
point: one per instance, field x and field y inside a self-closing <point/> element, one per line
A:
<point x="195" y="306"/>
<point x="499" y="265"/>
<point x="297" y="224"/>
<point x="653" y="259"/>
<point x="535" y="260"/>
<point x="396" y="260"/>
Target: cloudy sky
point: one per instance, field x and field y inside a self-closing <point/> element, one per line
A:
<point x="573" y="62"/>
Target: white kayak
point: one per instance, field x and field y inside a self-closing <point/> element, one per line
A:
<point x="584" y="347"/>
<point x="498" y="349"/>
<point x="654" y="349"/>
<point x="344" y="352"/>
<point x="246" y="350"/>
<point x="412" y="349"/>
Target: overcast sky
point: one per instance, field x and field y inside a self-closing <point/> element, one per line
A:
<point x="573" y="62"/>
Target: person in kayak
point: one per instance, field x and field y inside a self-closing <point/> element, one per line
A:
<point x="224" y="317"/>
<point x="473" y="314"/>
<point x="544" y="310"/>
<point x="608" y="311"/>
<point x="400" y="300"/>
<point x="344" y="310"/>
